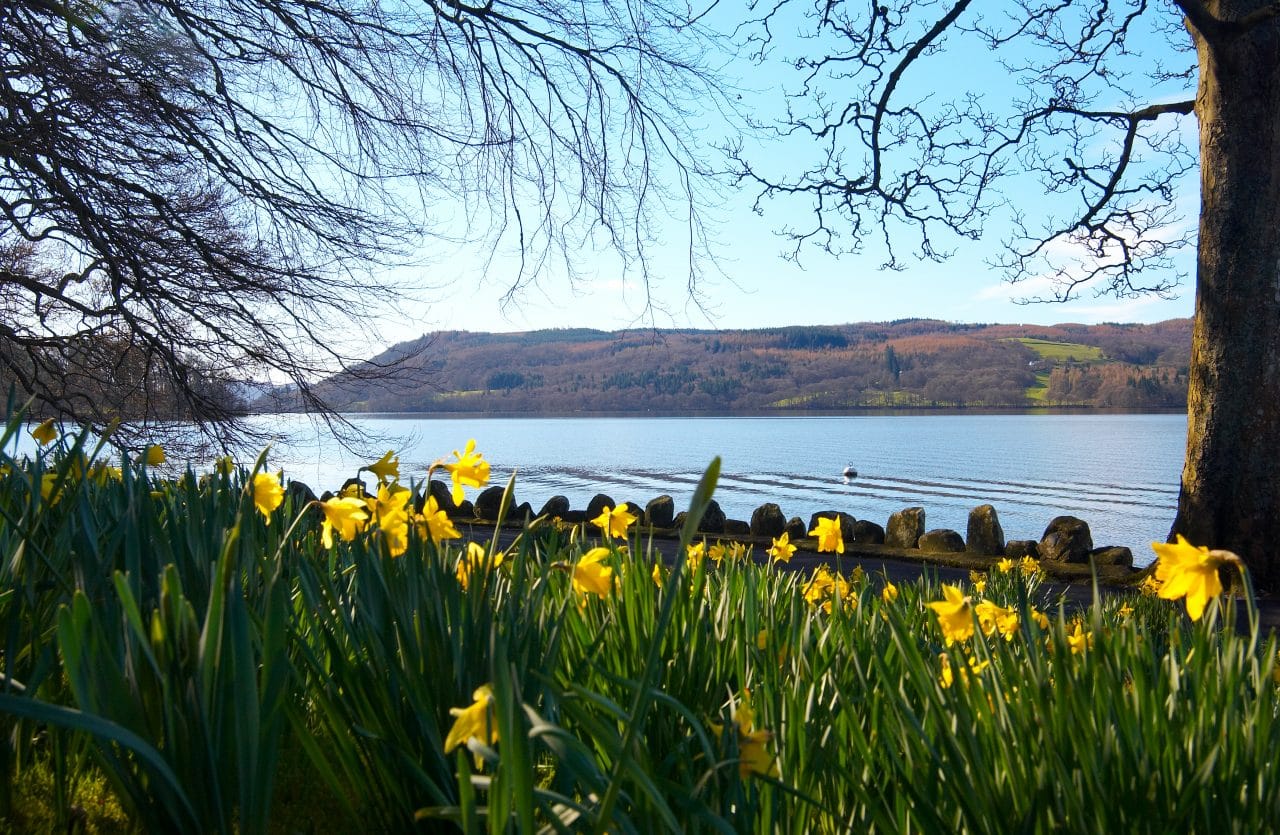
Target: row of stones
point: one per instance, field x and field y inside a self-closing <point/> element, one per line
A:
<point x="1066" y="538"/>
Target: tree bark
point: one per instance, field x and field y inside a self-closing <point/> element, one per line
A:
<point x="1230" y="496"/>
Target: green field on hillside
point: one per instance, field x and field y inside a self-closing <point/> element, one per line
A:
<point x="1062" y="351"/>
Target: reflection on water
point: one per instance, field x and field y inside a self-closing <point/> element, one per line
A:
<point x="1118" y="472"/>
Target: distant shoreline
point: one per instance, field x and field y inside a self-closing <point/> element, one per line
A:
<point x="765" y="413"/>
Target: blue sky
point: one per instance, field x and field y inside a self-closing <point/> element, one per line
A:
<point x="748" y="284"/>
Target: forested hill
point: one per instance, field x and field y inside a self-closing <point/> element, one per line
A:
<point x="908" y="363"/>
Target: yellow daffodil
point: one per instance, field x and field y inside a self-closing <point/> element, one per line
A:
<point x="614" y="521"/>
<point x="1041" y="619"/>
<point x="753" y="756"/>
<point x="102" y="472"/>
<point x="394" y="525"/>
<point x="345" y="514"/>
<point x="391" y="498"/>
<point x="1190" y="571"/>
<point x="476" y="721"/>
<point x="762" y="639"/>
<point x="782" y="549"/>
<point x="695" y="553"/>
<point x="386" y="468"/>
<point x="1005" y="565"/>
<point x="155" y="455"/>
<point x="47" y="482"/>
<point x="824" y="587"/>
<point x="656" y="574"/>
<point x="1029" y="566"/>
<point x="470" y="470"/>
<point x="716" y="553"/>
<point x="225" y="465"/>
<point x="591" y="575"/>
<point x="268" y="493"/>
<point x="993" y="618"/>
<point x="955" y="615"/>
<point x="45" y="433"/>
<point x="476" y="559"/>
<point x="889" y="593"/>
<point x="1125" y="611"/>
<point x="434" y="523"/>
<point x="830" y="537"/>
<point x="1079" y="640"/>
<point x="979" y="580"/>
<point x="946" y="676"/>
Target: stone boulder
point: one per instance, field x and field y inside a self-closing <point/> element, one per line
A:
<point x="466" y="510"/>
<point x="489" y="502"/>
<point x="737" y="527"/>
<point x="1016" y="549"/>
<point x="1112" y="555"/>
<point x="767" y="520"/>
<point x="555" y="508"/>
<point x="299" y="494"/>
<point x="795" y="529"/>
<point x="574" y="517"/>
<point x="866" y="532"/>
<point x="661" y="512"/>
<point x="941" y="541"/>
<point x="905" y="528"/>
<point x="713" y="520"/>
<point x="522" y="512"/>
<point x="597" y="505"/>
<point x="443" y="496"/>
<point x="984" y="536"/>
<point x="1066" y="539"/>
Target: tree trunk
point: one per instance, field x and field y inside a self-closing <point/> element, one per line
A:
<point x="1230" y="495"/>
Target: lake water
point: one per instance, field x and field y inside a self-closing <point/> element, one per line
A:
<point x="1118" y="472"/>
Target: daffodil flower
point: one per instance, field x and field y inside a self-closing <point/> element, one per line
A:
<point x="386" y="468"/>
<point x="268" y="493"/>
<point x="830" y="537"/>
<point x="656" y="574"/>
<point x="1005" y="565"/>
<point x="45" y="433"/>
<point x="1029" y="566"/>
<point x="225" y="465"/>
<point x="614" y="521"/>
<point x="346" y="515"/>
<point x="716" y="553"/>
<point x="394" y="525"/>
<point x="955" y="615"/>
<point x="476" y="559"/>
<point x="753" y="755"/>
<point x="889" y="593"/>
<point x="155" y="455"/>
<point x="1079" y="640"/>
<point x="1190" y="571"/>
<point x="434" y="523"/>
<point x="695" y="553"/>
<point x="782" y="549"/>
<point x="470" y="470"/>
<point x="591" y="575"/>
<point x="993" y="618"/>
<point x="475" y="721"/>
